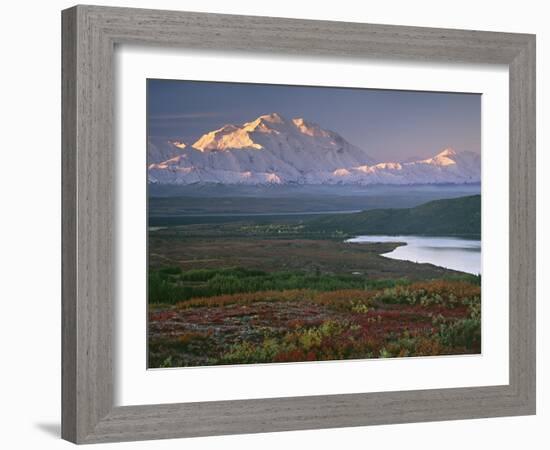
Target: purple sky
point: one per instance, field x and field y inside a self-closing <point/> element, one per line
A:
<point x="388" y="125"/>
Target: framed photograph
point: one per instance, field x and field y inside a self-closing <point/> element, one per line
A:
<point x="277" y="224"/>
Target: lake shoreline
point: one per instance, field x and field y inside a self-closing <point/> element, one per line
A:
<point x="450" y="252"/>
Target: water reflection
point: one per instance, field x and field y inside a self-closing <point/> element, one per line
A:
<point x="450" y="252"/>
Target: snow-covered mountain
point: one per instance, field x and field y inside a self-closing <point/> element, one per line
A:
<point x="159" y="150"/>
<point x="274" y="150"/>
<point x="447" y="167"/>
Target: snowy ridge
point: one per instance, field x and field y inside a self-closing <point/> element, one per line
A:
<point x="159" y="150"/>
<point x="274" y="150"/>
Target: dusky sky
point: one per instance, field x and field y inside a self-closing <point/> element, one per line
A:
<point x="387" y="124"/>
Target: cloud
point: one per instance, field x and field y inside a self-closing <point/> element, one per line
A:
<point x="185" y="116"/>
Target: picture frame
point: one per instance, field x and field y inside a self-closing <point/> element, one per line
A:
<point x="90" y="34"/>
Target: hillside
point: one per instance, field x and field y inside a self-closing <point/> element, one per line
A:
<point x="457" y="216"/>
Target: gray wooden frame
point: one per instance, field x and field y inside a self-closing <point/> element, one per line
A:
<point x="89" y="37"/>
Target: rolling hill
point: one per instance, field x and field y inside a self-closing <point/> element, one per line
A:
<point x="447" y="217"/>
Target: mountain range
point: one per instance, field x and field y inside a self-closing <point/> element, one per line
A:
<point x="274" y="150"/>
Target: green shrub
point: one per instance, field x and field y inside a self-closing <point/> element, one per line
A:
<point x="462" y="333"/>
<point x="171" y="285"/>
<point x="170" y="270"/>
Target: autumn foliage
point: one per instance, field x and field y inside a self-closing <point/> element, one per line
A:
<point x="439" y="317"/>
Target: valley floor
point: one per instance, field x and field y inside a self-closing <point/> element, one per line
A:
<point x="263" y="292"/>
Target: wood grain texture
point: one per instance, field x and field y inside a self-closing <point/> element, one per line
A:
<point x="68" y="225"/>
<point x="89" y="37"/>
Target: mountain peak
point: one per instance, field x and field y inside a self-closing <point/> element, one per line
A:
<point x="178" y="144"/>
<point x="447" y="157"/>
<point x="272" y="118"/>
<point x="298" y="121"/>
<point x="228" y="136"/>
<point x="448" y="153"/>
<point x="309" y="128"/>
<point x="266" y="123"/>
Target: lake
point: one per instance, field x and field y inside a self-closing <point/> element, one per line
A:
<point x="450" y="252"/>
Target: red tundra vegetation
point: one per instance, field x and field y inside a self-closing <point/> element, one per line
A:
<point x="440" y="317"/>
